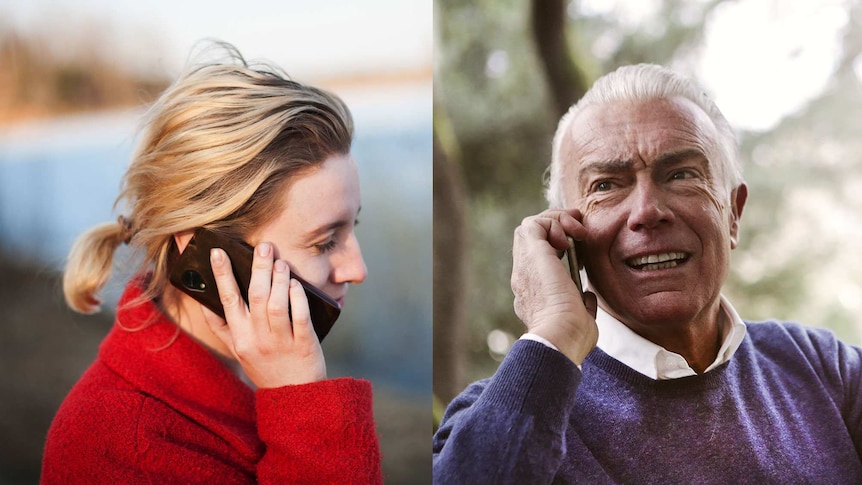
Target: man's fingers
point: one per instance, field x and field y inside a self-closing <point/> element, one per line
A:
<point x="570" y="220"/>
<point x="553" y="226"/>
<point x="545" y="230"/>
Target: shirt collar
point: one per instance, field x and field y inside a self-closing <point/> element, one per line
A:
<point x="655" y="362"/>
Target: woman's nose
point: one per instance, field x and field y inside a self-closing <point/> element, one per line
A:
<point x="350" y="268"/>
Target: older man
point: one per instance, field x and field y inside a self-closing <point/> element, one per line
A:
<point x="663" y="382"/>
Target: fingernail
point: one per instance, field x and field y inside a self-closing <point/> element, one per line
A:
<point x="293" y="283"/>
<point x="264" y="249"/>
<point x="216" y="256"/>
<point x="280" y="266"/>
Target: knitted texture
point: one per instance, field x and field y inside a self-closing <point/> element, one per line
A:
<point x="786" y="409"/>
<point x="157" y="407"/>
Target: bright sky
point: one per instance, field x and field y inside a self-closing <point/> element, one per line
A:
<point x="765" y="59"/>
<point x="761" y="60"/>
<point x="307" y="38"/>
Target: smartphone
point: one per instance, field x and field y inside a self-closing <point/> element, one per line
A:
<point x="191" y="272"/>
<point x="574" y="265"/>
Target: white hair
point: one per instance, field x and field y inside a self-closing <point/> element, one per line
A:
<point x="640" y="83"/>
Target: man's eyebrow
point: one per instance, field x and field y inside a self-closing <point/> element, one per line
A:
<point x="664" y="160"/>
<point x="674" y="158"/>
<point x="608" y="166"/>
<point x="332" y="226"/>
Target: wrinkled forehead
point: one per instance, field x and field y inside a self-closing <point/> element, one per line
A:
<point x="636" y="131"/>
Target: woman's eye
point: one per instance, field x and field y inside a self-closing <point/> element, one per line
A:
<point x="325" y="247"/>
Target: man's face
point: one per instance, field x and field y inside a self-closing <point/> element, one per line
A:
<point x="661" y="222"/>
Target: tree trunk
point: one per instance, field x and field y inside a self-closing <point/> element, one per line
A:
<point x="566" y="81"/>
<point x="450" y="249"/>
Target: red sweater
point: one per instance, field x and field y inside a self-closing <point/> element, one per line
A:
<point x="157" y="407"/>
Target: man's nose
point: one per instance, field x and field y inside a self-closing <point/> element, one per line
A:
<point x="350" y="267"/>
<point x="648" y="207"/>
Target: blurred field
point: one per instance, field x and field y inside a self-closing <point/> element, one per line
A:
<point x="45" y="348"/>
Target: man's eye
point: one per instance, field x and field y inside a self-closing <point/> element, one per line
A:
<point x="604" y="186"/>
<point x="681" y="174"/>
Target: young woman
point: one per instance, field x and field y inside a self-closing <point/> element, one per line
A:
<point x="250" y="154"/>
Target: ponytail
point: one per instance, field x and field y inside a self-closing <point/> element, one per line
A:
<point x="89" y="265"/>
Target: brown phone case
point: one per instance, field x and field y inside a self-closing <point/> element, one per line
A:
<point x="191" y="273"/>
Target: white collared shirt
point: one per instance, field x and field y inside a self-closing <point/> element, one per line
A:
<point x="652" y="360"/>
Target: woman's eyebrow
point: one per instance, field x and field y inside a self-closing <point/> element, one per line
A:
<point x="332" y="226"/>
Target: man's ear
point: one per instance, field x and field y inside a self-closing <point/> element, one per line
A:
<point x="737" y="203"/>
<point x="182" y="239"/>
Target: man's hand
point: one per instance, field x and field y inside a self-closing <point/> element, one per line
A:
<point x="546" y="298"/>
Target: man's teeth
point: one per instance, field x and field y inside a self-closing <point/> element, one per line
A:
<point x="657" y="261"/>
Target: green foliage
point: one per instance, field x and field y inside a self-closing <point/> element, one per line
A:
<point x="490" y="84"/>
<point x="797" y="257"/>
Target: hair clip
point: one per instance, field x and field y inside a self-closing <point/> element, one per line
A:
<point x="128" y="232"/>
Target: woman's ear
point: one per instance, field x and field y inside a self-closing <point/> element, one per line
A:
<point x="182" y="239"/>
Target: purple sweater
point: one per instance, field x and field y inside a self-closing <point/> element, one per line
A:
<point x="786" y="409"/>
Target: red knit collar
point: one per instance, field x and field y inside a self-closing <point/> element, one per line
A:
<point x="175" y="369"/>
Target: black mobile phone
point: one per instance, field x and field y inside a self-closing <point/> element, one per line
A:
<point x="191" y="272"/>
<point x="574" y="265"/>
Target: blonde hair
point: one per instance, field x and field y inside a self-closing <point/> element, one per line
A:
<point x="643" y="82"/>
<point x="218" y="149"/>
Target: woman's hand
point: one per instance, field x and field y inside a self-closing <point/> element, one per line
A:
<point x="272" y="351"/>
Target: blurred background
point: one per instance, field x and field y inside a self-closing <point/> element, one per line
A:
<point x="785" y="73"/>
<point x="75" y="77"/>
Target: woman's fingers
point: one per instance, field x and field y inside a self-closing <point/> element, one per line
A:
<point x="278" y="307"/>
<point x="303" y="330"/>
<point x="272" y="352"/>
<point x="235" y="310"/>
<point x="218" y="326"/>
<point x="260" y="287"/>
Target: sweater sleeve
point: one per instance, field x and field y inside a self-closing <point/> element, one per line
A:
<point x="510" y="428"/>
<point x="839" y="367"/>
<point x="849" y="360"/>
<point x="321" y="432"/>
